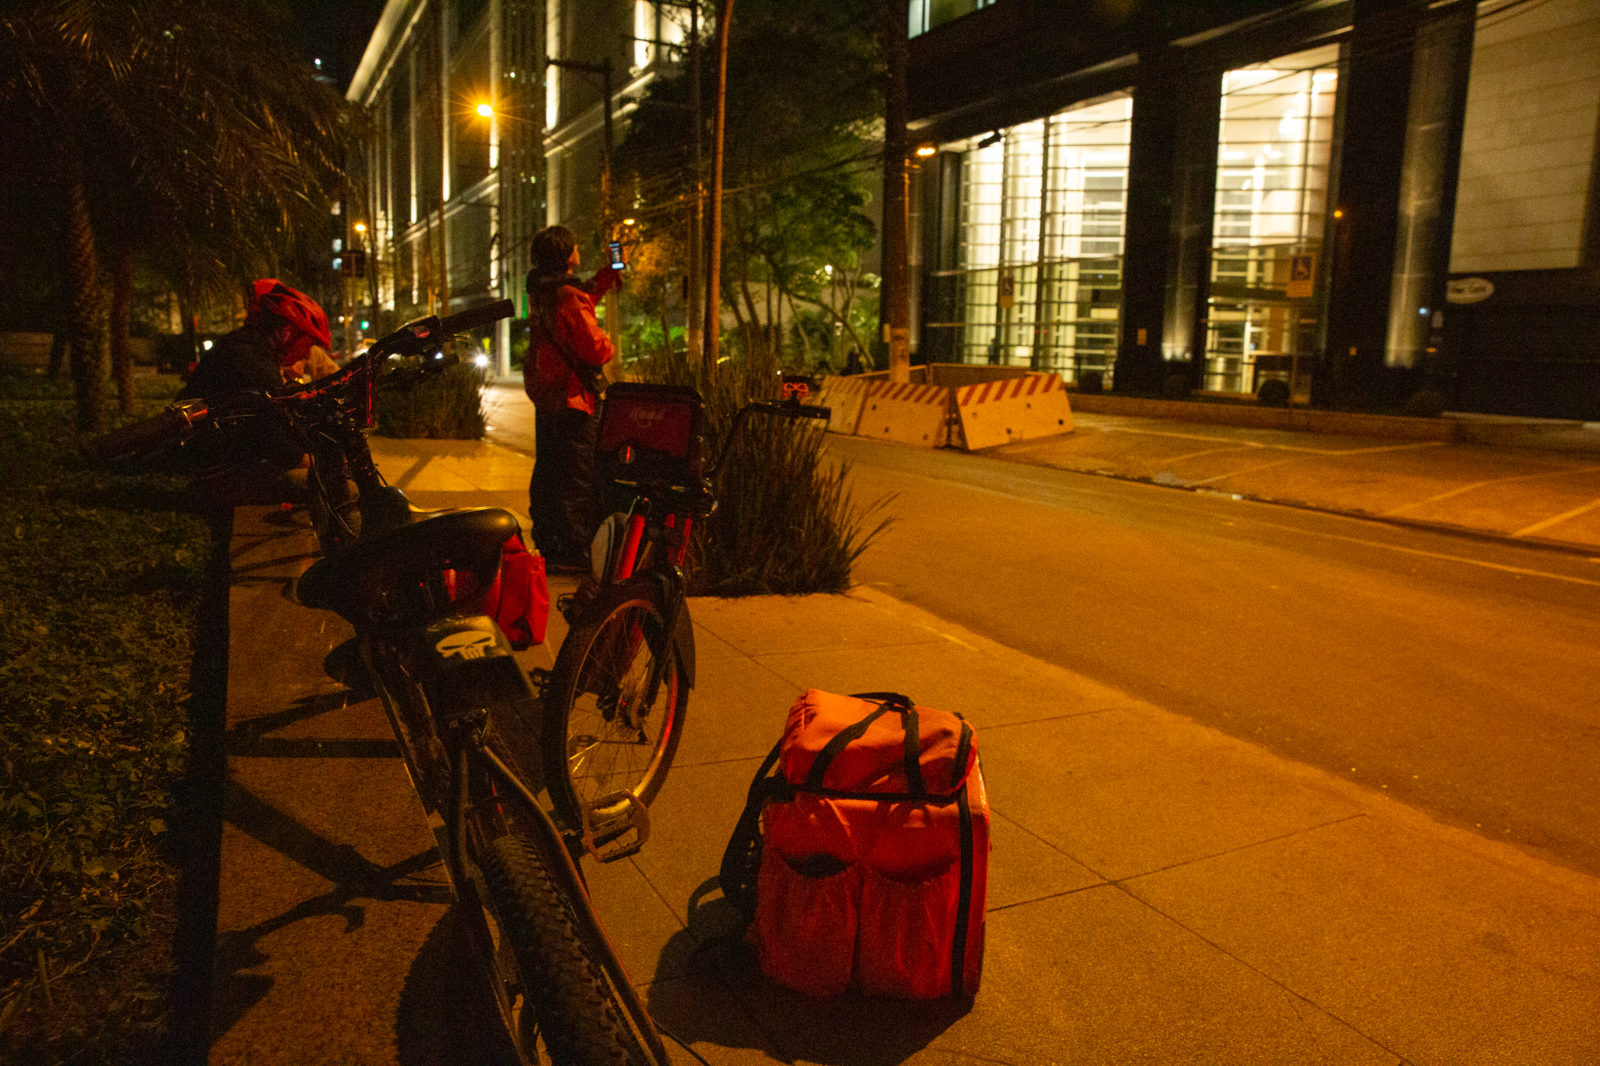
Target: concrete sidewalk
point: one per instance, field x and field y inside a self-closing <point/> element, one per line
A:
<point x="1539" y="483"/>
<point x="1160" y="892"/>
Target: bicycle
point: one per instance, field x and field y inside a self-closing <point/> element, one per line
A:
<point x="616" y="696"/>
<point x="464" y="712"/>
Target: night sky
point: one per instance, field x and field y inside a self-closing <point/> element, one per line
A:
<point x="335" y="31"/>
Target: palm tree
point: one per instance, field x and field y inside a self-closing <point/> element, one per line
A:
<point x="180" y="133"/>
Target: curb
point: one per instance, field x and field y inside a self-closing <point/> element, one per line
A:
<point x="1566" y="547"/>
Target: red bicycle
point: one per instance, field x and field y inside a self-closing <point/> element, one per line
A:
<point x="615" y="700"/>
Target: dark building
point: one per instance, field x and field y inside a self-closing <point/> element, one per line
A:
<point x="1366" y="198"/>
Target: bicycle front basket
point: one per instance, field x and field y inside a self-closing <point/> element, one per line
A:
<point x="651" y="434"/>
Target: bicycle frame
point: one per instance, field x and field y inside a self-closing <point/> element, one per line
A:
<point x="465" y="714"/>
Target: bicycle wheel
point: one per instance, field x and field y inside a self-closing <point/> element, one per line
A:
<point x="615" y="701"/>
<point x="550" y="988"/>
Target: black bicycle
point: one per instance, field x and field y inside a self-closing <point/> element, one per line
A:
<point x="616" y="697"/>
<point x="465" y="714"/>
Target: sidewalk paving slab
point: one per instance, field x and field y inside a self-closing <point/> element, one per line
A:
<point x="1545" y="497"/>
<point x="1160" y="892"/>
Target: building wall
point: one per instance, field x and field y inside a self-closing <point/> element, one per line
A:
<point x="1528" y="150"/>
<point x="1304" y="232"/>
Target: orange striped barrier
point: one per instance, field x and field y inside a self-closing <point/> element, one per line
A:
<point x="909" y="414"/>
<point x="1003" y="412"/>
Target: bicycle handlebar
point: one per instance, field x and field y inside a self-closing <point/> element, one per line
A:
<point x="477" y="317"/>
<point x="172" y="426"/>
<point x="792" y="409"/>
<point x="789" y="408"/>
<point x="178" y="422"/>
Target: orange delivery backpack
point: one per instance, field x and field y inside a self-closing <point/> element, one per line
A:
<point x="861" y="858"/>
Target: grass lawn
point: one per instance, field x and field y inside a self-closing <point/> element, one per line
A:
<point x="99" y="586"/>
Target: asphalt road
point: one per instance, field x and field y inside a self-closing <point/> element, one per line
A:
<point x="1459" y="676"/>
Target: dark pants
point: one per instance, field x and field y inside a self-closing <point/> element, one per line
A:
<point x="561" y="492"/>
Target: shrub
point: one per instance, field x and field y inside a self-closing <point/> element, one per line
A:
<point x="1091" y="381"/>
<point x="1425" y="403"/>
<point x="1274" y="392"/>
<point x="448" y="406"/>
<point x="786" y="521"/>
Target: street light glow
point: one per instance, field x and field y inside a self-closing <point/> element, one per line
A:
<point x="926" y="150"/>
<point x="361" y="227"/>
<point x="485" y="110"/>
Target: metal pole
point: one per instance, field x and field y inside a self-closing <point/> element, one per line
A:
<point x="693" y="331"/>
<point x="714" y="268"/>
<point x="444" y="171"/>
<point x="613" y="312"/>
<point x="896" y="31"/>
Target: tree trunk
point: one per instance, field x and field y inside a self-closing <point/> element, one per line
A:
<point x="61" y="324"/>
<point x="88" y="332"/>
<point x="191" y="331"/>
<point x="805" y="340"/>
<point x="757" y="329"/>
<point x="843" y="321"/>
<point x="121" y="314"/>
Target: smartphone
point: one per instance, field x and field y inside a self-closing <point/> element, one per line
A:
<point x="617" y="262"/>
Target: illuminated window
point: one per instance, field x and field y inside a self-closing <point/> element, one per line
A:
<point x="644" y="32"/>
<point x="1041" y="247"/>
<point x="1273" y="147"/>
<point x="926" y="14"/>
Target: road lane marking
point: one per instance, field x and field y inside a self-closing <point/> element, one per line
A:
<point x="1502" y="481"/>
<point x="1556" y="519"/>
<point x="1268" y="445"/>
<point x="1246" y="470"/>
<point x="1444" y="495"/>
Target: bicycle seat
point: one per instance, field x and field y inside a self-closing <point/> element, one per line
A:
<point x="418" y="569"/>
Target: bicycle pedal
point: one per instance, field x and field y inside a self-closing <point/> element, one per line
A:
<point x="608" y="823"/>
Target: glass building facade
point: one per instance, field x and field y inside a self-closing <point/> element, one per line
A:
<point x="1041" y="228"/>
<point x="1274" y="143"/>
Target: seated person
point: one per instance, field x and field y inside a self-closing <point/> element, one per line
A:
<point x="285" y="337"/>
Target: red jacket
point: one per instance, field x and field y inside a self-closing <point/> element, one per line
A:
<point x="547" y="376"/>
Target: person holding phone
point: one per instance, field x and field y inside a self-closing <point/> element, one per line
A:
<point x="563" y="376"/>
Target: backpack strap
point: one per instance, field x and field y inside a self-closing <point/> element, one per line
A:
<point x="591" y="377"/>
<point x="741" y="860"/>
<point x="915" y="786"/>
<point x="958" y="947"/>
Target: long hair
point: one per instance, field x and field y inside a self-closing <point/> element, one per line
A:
<point x="550" y="252"/>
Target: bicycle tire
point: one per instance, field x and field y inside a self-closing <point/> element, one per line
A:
<point x="599" y="738"/>
<point x="332" y="502"/>
<point x="578" y="1015"/>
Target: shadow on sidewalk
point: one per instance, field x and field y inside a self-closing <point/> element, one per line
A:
<point x="723" y="970"/>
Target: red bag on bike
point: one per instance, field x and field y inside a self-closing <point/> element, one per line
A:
<point x="519" y="598"/>
<point x="865" y="847"/>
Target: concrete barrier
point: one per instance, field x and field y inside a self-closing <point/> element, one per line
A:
<point x="906" y="413"/>
<point x="845" y="396"/>
<point x="1007" y="411"/>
